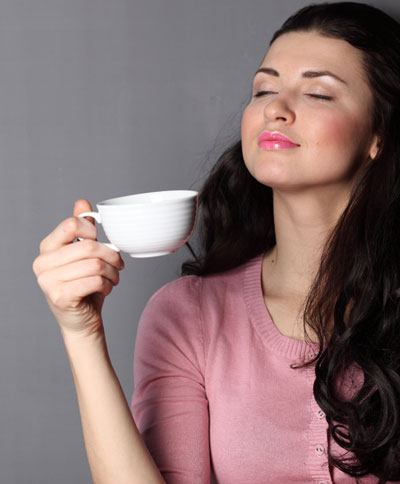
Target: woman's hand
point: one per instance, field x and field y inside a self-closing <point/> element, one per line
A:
<point x="76" y="277"/>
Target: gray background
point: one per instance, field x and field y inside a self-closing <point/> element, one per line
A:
<point x="102" y="98"/>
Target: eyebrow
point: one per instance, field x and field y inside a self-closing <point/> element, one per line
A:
<point x="306" y="74"/>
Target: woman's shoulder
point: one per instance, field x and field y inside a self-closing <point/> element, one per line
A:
<point x="178" y="292"/>
<point x="194" y="286"/>
<point x="191" y="310"/>
<point x="193" y="290"/>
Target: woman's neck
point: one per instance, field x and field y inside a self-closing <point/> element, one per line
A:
<point x="303" y="222"/>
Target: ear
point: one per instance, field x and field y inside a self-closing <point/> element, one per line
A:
<point x="374" y="147"/>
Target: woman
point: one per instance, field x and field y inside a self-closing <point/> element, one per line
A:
<point x="277" y="357"/>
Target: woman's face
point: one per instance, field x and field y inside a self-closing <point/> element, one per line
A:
<point x="334" y="134"/>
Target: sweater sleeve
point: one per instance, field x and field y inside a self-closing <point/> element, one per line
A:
<point x="169" y="403"/>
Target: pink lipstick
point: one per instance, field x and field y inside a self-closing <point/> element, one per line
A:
<point x="275" y="141"/>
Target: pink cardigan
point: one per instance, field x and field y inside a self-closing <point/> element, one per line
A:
<point x="215" y="398"/>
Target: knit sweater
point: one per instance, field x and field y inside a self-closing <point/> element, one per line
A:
<point x="216" y="399"/>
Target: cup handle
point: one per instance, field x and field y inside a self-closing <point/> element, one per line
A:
<point x="97" y="217"/>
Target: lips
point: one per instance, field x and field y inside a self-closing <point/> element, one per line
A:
<point x="275" y="140"/>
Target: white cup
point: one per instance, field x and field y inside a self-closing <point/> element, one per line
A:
<point x="148" y="224"/>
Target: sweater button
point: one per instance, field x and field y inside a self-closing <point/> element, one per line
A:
<point x="319" y="449"/>
<point x="321" y="415"/>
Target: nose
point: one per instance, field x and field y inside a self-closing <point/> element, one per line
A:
<point x="278" y="108"/>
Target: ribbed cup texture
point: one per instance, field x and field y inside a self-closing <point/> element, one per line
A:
<point x="152" y="228"/>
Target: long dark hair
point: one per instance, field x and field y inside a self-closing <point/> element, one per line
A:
<point x="354" y="303"/>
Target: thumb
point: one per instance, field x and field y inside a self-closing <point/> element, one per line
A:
<point x="83" y="205"/>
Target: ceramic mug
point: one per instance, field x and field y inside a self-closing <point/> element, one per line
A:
<point x="148" y="224"/>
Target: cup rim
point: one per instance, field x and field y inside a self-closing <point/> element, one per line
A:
<point x="119" y="201"/>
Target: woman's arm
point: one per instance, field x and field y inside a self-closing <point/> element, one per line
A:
<point x="169" y="403"/>
<point x="115" y="449"/>
<point x="76" y="278"/>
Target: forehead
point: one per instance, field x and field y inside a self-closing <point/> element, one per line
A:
<point x="294" y="52"/>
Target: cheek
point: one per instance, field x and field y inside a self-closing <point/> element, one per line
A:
<point x="339" y="143"/>
<point x="244" y="126"/>
<point x="340" y="134"/>
<point x="339" y="146"/>
<point x="249" y="128"/>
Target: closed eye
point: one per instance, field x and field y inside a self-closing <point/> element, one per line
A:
<point x="318" y="96"/>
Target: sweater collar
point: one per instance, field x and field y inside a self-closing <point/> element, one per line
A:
<point x="290" y="348"/>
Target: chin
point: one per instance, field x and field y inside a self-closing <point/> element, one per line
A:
<point x="271" y="176"/>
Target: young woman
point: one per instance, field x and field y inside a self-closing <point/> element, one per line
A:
<point x="276" y="357"/>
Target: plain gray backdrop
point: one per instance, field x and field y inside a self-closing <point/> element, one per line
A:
<point x="98" y="99"/>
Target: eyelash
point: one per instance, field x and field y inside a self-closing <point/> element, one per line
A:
<point x="317" y="96"/>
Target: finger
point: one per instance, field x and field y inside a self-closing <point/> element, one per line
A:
<point x="83" y="205"/>
<point x="85" y="249"/>
<point x="80" y="270"/>
<point x="66" y="232"/>
<point x="71" y="293"/>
